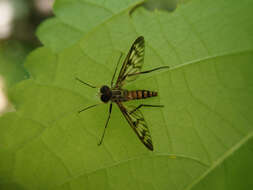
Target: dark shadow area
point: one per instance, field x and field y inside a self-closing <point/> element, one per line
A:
<point x="163" y="5"/>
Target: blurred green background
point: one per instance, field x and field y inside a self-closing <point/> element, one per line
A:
<point x="18" y="22"/>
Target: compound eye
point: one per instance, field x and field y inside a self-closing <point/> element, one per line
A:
<point x="104" y="89"/>
<point x="105" y="98"/>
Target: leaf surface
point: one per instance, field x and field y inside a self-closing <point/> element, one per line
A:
<point x="205" y="126"/>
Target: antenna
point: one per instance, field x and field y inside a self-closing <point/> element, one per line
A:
<point x="85" y="83"/>
<point x="88" y="107"/>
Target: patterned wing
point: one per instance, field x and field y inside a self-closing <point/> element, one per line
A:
<point x="138" y="124"/>
<point x="132" y="63"/>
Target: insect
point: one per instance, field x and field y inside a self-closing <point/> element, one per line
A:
<point x="130" y="69"/>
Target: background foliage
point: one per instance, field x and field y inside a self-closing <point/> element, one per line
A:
<point x="203" y="136"/>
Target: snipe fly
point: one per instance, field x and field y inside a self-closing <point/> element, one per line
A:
<point x="130" y="69"/>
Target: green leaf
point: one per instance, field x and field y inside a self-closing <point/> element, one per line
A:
<point x="200" y="136"/>
<point x="229" y="168"/>
<point x="76" y="18"/>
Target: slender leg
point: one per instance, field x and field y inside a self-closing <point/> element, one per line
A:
<point x="107" y="121"/>
<point x="149" y="71"/>
<point x="144" y="105"/>
<point x="116" y="69"/>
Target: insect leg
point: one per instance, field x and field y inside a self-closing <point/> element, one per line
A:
<point x="144" y="105"/>
<point x="107" y="121"/>
<point x="148" y="71"/>
<point x="116" y="69"/>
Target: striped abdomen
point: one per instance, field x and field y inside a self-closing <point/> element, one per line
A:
<point x="140" y="94"/>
